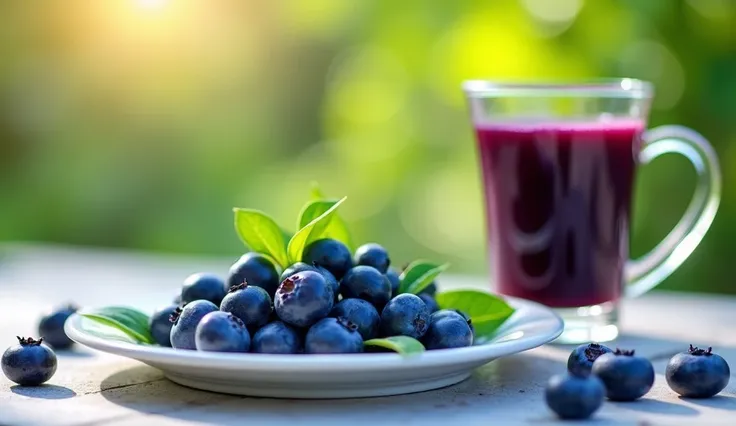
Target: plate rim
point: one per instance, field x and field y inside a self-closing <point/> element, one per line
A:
<point x="319" y="362"/>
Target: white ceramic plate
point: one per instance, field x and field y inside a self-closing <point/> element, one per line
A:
<point x="331" y="376"/>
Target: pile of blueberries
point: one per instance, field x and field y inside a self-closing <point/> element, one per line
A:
<point x="596" y="372"/>
<point x="330" y="302"/>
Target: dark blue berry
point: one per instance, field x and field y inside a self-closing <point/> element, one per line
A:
<point x="185" y="322"/>
<point x="277" y="338"/>
<point x="361" y="313"/>
<point x="51" y="327"/>
<point x="581" y="358"/>
<point x="365" y="282"/>
<point x="257" y="270"/>
<point x="374" y="255"/>
<point x="446" y="312"/>
<point x="249" y="303"/>
<point x="627" y="377"/>
<point x="431" y="289"/>
<point x="160" y="325"/>
<point x="303" y="299"/>
<point x="203" y="287"/>
<point x="574" y="397"/>
<point x="301" y="267"/>
<point x="697" y="373"/>
<point x="333" y="336"/>
<point x="393" y="278"/>
<point x="329" y="254"/>
<point x="222" y="332"/>
<point x="447" y="329"/>
<point x="405" y="315"/>
<point x="430" y="302"/>
<point x="29" y="363"/>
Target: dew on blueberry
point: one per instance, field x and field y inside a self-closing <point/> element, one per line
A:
<point x="697" y="373"/>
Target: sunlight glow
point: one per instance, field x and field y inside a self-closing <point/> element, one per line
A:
<point x="152" y="4"/>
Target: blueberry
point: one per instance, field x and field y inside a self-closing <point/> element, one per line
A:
<point x="365" y="282"/>
<point x="430" y="302"/>
<point x="374" y="255"/>
<point x="29" y="363"/>
<point x="447" y="329"/>
<point x="627" y="377"/>
<point x="160" y="325"/>
<point x="581" y="358"/>
<point x="221" y="332"/>
<point x="333" y="336"/>
<point x="301" y="267"/>
<point x="574" y="397"/>
<point x="405" y="315"/>
<point x="360" y="313"/>
<point x="257" y="270"/>
<point x="203" y="287"/>
<point x="249" y="303"/>
<point x="697" y="373"/>
<point x="450" y="312"/>
<point x="329" y="254"/>
<point x="431" y="289"/>
<point x="303" y="299"/>
<point x="51" y="327"/>
<point x="277" y="338"/>
<point x="185" y="323"/>
<point x="393" y="278"/>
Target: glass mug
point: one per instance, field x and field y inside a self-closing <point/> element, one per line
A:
<point x="558" y="164"/>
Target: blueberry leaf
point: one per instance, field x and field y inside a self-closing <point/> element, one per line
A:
<point x="129" y="321"/>
<point x="418" y="275"/>
<point x="403" y="345"/>
<point x="487" y="311"/>
<point x="337" y="229"/>
<point x="261" y="234"/>
<point x="312" y="231"/>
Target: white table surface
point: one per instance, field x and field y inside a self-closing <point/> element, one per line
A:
<point x="92" y="388"/>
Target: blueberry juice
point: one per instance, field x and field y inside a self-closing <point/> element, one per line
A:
<point x="558" y="202"/>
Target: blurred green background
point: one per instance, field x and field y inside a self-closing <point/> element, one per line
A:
<point x="141" y="123"/>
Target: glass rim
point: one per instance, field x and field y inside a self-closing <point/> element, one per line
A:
<point x="629" y="88"/>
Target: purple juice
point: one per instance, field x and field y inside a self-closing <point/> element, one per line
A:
<point x="558" y="202"/>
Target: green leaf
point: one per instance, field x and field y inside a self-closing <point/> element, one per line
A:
<point x="404" y="345"/>
<point x="337" y="229"/>
<point x="486" y="310"/>
<point x="418" y="275"/>
<point x="261" y="233"/>
<point x="129" y="321"/>
<point x="312" y="231"/>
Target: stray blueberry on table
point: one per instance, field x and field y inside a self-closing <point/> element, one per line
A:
<point x="627" y="377"/>
<point x="361" y="313"/>
<point x="374" y="255"/>
<point x="303" y="299"/>
<point x="276" y="338"/>
<point x="574" y="397"/>
<point x="697" y="373"/>
<point x="365" y="282"/>
<point x="430" y="302"/>
<point x="405" y="315"/>
<point x="393" y="278"/>
<point x="51" y="327"/>
<point x="257" y="270"/>
<point x="249" y="303"/>
<point x="333" y="336"/>
<point x="203" y="286"/>
<point x="448" y="329"/>
<point x="581" y="358"/>
<point x="160" y="325"/>
<point x="29" y="363"/>
<point x="221" y="332"/>
<point x="185" y="322"/>
<point x="329" y="254"/>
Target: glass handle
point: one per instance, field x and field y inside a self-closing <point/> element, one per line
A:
<point x="644" y="274"/>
